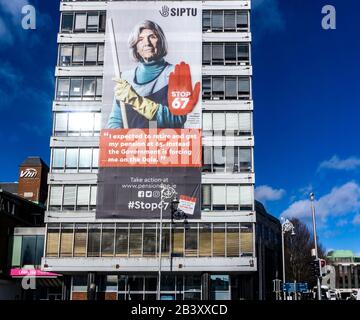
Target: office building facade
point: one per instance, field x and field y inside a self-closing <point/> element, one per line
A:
<point x="212" y="257"/>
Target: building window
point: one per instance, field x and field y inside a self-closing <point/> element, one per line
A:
<point x="226" y="53"/>
<point x="227" y="123"/>
<point x="81" y="54"/>
<point x="72" y="197"/>
<point x="227" y="159"/>
<point x="92" y="21"/>
<point x="226" y="88"/>
<point x="227" y="197"/>
<point x="75" y="160"/>
<point x="79" y="88"/>
<point x="141" y="240"/>
<point x="225" y="21"/>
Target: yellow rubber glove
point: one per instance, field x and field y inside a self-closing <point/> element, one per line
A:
<point x="125" y="93"/>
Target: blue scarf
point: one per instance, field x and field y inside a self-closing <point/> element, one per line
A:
<point x="148" y="71"/>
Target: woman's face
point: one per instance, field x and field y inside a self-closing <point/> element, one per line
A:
<point x="147" y="45"/>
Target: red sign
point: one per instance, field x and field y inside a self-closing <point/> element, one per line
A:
<point x="16" y="272"/>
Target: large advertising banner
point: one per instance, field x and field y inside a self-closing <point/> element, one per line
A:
<point x="150" y="142"/>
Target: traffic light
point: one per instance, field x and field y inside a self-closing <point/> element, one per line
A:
<point x="323" y="267"/>
<point x="315" y="268"/>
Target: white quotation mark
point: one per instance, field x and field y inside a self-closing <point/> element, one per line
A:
<point x="29" y="20"/>
<point x="329" y="20"/>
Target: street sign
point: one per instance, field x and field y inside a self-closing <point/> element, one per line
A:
<point x="302" y="287"/>
<point x="295" y="287"/>
<point x="289" y="287"/>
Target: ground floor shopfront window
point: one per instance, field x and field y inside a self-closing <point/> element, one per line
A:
<point x="144" y="287"/>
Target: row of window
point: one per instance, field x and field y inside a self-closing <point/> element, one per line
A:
<point x="215" y="197"/>
<point x="75" y="160"/>
<point x="227" y="159"/>
<point x="213" y="88"/>
<point x="91" y="21"/>
<point x="226" y="53"/>
<point x="230" y="197"/>
<point x="74" y="124"/>
<point x="81" y="54"/>
<point x="79" y="88"/>
<point x="225" y="20"/>
<point x="225" y="87"/>
<point x="72" y="197"/>
<point x="142" y="240"/>
<point x="213" y="21"/>
<point x="226" y="123"/>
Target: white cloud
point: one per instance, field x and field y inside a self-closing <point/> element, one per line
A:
<point x="267" y="16"/>
<point x="337" y="164"/>
<point x="356" y="219"/>
<point x="13" y="7"/>
<point x="342" y="222"/>
<point x="340" y="201"/>
<point x="267" y="193"/>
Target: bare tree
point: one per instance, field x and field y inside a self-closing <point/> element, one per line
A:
<point x="298" y="253"/>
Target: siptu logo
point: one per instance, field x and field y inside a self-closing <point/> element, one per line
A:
<point x="28" y="173"/>
<point x="164" y="11"/>
<point x="178" y="12"/>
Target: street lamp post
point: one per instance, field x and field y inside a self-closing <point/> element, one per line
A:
<point x="318" y="284"/>
<point x="166" y="192"/>
<point x="285" y="227"/>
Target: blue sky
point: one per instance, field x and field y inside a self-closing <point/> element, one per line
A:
<point x="306" y="96"/>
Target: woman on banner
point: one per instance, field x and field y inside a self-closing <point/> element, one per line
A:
<point x="152" y="90"/>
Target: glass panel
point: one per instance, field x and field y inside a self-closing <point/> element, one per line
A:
<point x="229" y="20"/>
<point x="232" y="197"/>
<point x="165" y="244"/>
<point x="245" y="122"/>
<point x="63" y="89"/>
<point x="65" y="55"/>
<point x="218" y="241"/>
<point x="206" y="53"/>
<point x="89" y="88"/>
<point x="230" y="88"/>
<point x="72" y="158"/>
<point x="66" y="242"/>
<point x="39" y="250"/>
<point x="83" y="196"/>
<point x="217" y="20"/>
<point x="217" y="53"/>
<point x="135" y="243"/>
<point x="219" y="121"/>
<point x="207" y="159"/>
<point x="192" y="283"/>
<point x="230" y="159"/>
<point x="78" y="55"/>
<point x="244" y="86"/>
<point x="178" y="247"/>
<point x="55" y="196"/>
<point x="93" y="195"/>
<point x="218" y="87"/>
<point x="58" y="158"/>
<point x="52" y="242"/>
<point x="75" y="88"/>
<point x="80" y="21"/>
<point x="102" y="22"/>
<point x="230" y="53"/>
<point x="69" y="195"/>
<point x="206" y="87"/>
<point x="121" y="242"/>
<point x="98" y="87"/>
<point x="28" y="250"/>
<point x="205" y="240"/>
<point x="80" y="240"/>
<point x="245" y="160"/>
<point x="149" y="242"/>
<point x="94" y="241"/>
<point x="219" y="159"/>
<point x="246" y="238"/>
<point x="91" y="53"/>
<point x="232" y="121"/>
<point x="135" y="283"/>
<point x="107" y="244"/>
<point x="191" y="241"/>
<point x="241" y="19"/>
<point x="243" y="52"/>
<point x="246" y="195"/>
<point x="101" y="53"/>
<point x="16" y="251"/>
<point x="207" y="121"/>
<point x="206" y="196"/>
<point x="61" y="121"/>
<point x="85" y="158"/>
<point x="206" y="20"/>
<point x="167" y="283"/>
<point x="97" y="125"/>
<point x="67" y="22"/>
<point x="95" y="158"/>
<point x="232" y="242"/>
<point x="92" y="22"/>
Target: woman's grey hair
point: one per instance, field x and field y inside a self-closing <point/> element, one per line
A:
<point x="134" y="38"/>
